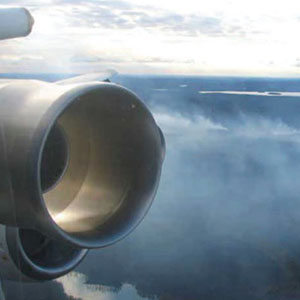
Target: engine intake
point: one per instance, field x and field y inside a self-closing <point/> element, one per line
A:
<point x="81" y="163"/>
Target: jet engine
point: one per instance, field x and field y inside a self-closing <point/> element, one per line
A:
<point x="29" y="255"/>
<point x="80" y="165"/>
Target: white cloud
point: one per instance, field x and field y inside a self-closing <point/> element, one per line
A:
<point x="75" y="285"/>
<point x="191" y="132"/>
<point x="216" y="37"/>
<point x="186" y="130"/>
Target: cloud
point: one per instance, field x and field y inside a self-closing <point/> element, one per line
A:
<point x="82" y="58"/>
<point x="183" y="130"/>
<point x="225" y="221"/>
<point x="85" y="59"/>
<point x="75" y="285"/>
<point x="88" y="35"/>
<point x="125" y="16"/>
<point x="147" y="37"/>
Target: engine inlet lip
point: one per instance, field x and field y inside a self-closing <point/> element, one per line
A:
<point x="112" y="230"/>
<point x="32" y="270"/>
<point x="45" y="222"/>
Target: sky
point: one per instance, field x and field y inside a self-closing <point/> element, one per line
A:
<point x="216" y="37"/>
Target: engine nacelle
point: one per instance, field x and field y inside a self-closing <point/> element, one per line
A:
<point x="28" y="255"/>
<point x="15" y="22"/>
<point x="79" y="163"/>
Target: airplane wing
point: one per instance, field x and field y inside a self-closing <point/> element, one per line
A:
<point x="103" y="76"/>
<point x="91" y="77"/>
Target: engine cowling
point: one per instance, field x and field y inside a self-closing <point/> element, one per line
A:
<point x="15" y="22"/>
<point x="29" y="255"/>
<point x="80" y="163"/>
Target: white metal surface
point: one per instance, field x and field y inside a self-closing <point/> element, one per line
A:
<point x="87" y="78"/>
<point x="15" y="22"/>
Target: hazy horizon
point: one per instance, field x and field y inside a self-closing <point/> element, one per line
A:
<point x="229" y="37"/>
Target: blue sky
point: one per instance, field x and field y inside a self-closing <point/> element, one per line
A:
<point x="216" y="37"/>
